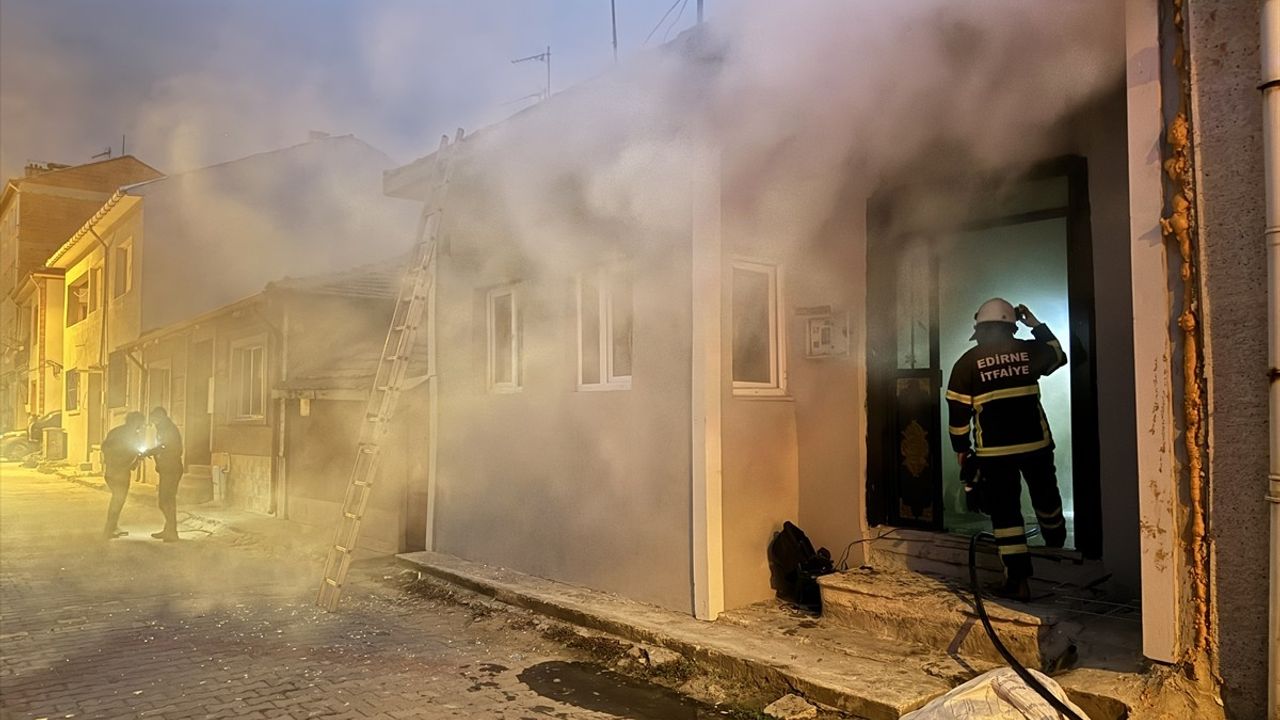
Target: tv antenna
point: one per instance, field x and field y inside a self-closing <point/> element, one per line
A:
<point x="105" y="153"/>
<point x="544" y="57"/>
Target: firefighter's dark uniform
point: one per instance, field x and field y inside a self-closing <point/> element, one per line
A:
<point x="995" y="387"/>
<point x="168" y="459"/>
<point x="119" y="458"/>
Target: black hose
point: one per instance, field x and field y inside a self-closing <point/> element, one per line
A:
<point x="1031" y="680"/>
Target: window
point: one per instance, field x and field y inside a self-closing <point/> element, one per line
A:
<point x="158" y="385"/>
<point x="503" y="340"/>
<point x="604" y="329"/>
<point x="117" y="380"/>
<point x="759" y="366"/>
<point x="248" y="381"/>
<point x="123" y="281"/>
<point x="78" y="300"/>
<point x="95" y="288"/>
<point x="72" y="382"/>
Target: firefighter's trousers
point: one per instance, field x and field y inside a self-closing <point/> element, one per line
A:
<point x="1002" y="499"/>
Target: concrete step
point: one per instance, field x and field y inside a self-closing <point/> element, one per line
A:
<point x="938" y="613"/>
<point x="868" y="677"/>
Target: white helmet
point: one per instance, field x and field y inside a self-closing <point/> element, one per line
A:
<point x="994" y="310"/>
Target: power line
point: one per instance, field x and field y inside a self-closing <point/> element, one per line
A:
<point x="665" y="15"/>
<point x="675" y="22"/>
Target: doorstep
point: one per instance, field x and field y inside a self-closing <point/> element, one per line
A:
<point x="939" y="613"/>
<point x="871" y="682"/>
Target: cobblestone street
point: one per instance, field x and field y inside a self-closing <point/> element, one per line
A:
<point x="215" y="627"/>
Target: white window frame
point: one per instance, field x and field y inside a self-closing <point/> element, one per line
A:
<point x="777" y="385"/>
<point x="609" y="380"/>
<point x="126" y="248"/>
<point x="515" y="384"/>
<point x="236" y="380"/>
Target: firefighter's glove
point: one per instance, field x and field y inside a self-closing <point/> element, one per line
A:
<point x="1027" y="317"/>
<point x="972" y="480"/>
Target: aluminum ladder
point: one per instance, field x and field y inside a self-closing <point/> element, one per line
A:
<point x="409" y="315"/>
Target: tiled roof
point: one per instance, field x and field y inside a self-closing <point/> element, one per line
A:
<point x="375" y="280"/>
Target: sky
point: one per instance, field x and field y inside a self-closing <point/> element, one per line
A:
<point x="189" y="83"/>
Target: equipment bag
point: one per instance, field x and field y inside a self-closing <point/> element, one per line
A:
<point x="794" y="567"/>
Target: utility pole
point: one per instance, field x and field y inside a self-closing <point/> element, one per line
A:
<point x="613" y="14"/>
<point x="699" y="13"/>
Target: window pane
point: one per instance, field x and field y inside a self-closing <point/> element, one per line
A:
<point x="255" y="382"/>
<point x="913" y="307"/>
<point x="751" y="351"/>
<point x="503" y="339"/>
<point x="122" y="271"/>
<point x="242" y="382"/>
<point x="590" y="307"/>
<point x="620" y="306"/>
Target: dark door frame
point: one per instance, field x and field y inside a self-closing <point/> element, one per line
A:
<point x="882" y="371"/>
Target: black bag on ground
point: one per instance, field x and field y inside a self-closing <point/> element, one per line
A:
<point x="794" y="567"/>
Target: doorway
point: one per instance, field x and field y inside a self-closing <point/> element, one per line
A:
<point x="935" y="254"/>
<point x="95" y="412"/>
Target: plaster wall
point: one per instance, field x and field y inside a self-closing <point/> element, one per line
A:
<point x="1224" y="41"/>
<point x="587" y="487"/>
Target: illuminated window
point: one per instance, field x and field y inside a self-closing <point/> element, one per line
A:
<point x="503" y="339"/>
<point x="123" y="267"/>
<point x="248" y="380"/>
<point x="78" y="300"/>
<point x="759" y="367"/>
<point x="604" y="329"/>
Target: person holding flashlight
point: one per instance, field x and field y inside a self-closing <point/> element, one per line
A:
<point x="121" y="450"/>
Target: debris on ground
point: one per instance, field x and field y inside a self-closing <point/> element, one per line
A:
<point x="791" y="707"/>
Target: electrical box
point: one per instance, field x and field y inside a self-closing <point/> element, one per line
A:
<point x="827" y="335"/>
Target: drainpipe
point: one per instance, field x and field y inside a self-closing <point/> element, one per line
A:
<point x="1271" y="163"/>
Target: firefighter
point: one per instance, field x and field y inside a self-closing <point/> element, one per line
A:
<point x="995" y="388"/>
<point x="121" y="450"/>
<point x="167" y="455"/>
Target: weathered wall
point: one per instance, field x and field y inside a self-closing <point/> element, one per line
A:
<point x="1227" y="117"/>
<point x="584" y="487"/>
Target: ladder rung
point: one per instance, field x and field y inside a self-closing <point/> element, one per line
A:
<point x="343" y="550"/>
<point x="351" y="516"/>
<point x="332" y="582"/>
<point x="362" y="483"/>
<point x="368" y="448"/>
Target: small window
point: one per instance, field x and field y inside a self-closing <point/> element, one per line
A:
<point x="117" y="380"/>
<point x="248" y="381"/>
<point x="72" y="383"/>
<point x="504" y="339"/>
<point x="759" y="367"/>
<point x="95" y="289"/>
<point x="78" y="300"/>
<point x="604" y="329"/>
<point x="123" y="281"/>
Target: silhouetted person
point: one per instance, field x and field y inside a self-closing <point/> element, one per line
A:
<point x="121" y="449"/>
<point x="995" y="392"/>
<point x="168" y="458"/>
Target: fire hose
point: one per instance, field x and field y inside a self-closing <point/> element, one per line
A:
<point x="1022" y="672"/>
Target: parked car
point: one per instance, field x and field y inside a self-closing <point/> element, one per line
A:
<point x="18" y="444"/>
